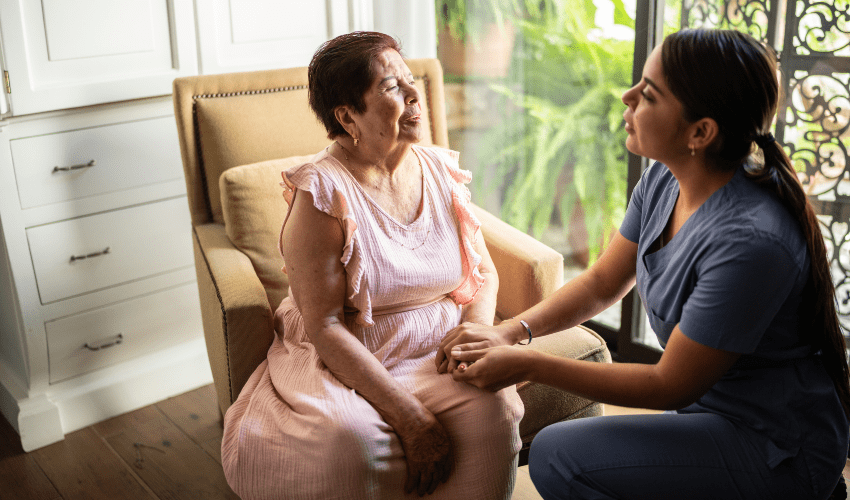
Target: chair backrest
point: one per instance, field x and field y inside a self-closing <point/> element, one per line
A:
<point x="228" y="120"/>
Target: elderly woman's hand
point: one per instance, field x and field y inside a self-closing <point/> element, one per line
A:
<point x="474" y="337"/>
<point x="428" y="451"/>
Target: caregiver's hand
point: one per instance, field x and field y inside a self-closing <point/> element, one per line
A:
<point x="492" y="369"/>
<point x="473" y="336"/>
<point x="428" y="451"/>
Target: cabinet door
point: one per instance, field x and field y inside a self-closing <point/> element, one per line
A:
<point x="71" y="53"/>
<point x="248" y="35"/>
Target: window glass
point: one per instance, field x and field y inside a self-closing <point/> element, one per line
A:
<point x="533" y="100"/>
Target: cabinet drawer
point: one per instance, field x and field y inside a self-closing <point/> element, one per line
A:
<point x="90" y="253"/>
<point x="58" y="167"/>
<point x="95" y="339"/>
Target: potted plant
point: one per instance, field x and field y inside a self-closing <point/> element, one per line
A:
<point x="476" y="37"/>
<point x="558" y="152"/>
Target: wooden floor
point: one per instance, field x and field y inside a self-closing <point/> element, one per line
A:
<point x="169" y="450"/>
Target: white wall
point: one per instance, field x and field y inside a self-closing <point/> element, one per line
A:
<point x="411" y="21"/>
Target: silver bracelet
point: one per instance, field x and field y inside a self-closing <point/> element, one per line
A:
<point x="527" y="329"/>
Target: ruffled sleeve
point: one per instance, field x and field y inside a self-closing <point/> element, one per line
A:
<point x="472" y="280"/>
<point x="328" y="198"/>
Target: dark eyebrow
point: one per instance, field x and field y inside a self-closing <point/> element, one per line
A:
<point x="653" y="85"/>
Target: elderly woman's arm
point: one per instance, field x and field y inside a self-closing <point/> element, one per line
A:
<point x="482" y="309"/>
<point x="312" y="243"/>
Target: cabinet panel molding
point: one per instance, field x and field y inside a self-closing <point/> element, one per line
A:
<point x="245" y="35"/>
<point x="72" y="32"/>
<point x="57" y="57"/>
<point x="90" y="253"/>
<point x="105" y="336"/>
<point x="76" y="164"/>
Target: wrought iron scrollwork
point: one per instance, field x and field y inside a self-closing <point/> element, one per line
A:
<point x="817" y="132"/>
<point x="749" y="16"/>
<point x="812" y="38"/>
<point x="823" y="27"/>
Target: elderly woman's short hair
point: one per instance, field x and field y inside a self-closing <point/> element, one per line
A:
<point x="341" y="72"/>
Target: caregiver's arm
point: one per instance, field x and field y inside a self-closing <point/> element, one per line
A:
<point x="608" y="280"/>
<point x="594" y="290"/>
<point x="686" y="371"/>
<point x="312" y="244"/>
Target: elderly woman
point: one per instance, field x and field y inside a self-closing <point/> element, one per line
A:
<point x="384" y="259"/>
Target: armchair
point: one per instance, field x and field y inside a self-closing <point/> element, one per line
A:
<point x="237" y="133"/>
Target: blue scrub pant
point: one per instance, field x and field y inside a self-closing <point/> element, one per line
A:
<point x="658" y="457"/>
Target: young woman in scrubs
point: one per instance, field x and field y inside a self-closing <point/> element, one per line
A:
<point x="730" y="263"/>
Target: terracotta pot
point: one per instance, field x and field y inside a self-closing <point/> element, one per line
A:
<point x="488" y="57"/>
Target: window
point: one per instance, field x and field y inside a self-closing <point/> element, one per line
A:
<point x="533" y="99"/>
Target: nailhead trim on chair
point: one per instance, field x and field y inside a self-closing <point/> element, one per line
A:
<point x="250" y="92"/>
<point x="223" y="315"/>
<point x="428" y="91"/>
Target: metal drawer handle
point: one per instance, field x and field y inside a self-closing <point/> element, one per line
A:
<point x="104" y="343"/>
<point x="88" y="256"/>
<point x="74" y="167"/>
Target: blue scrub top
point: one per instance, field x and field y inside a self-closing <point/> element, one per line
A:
<point x="732" y="279"/>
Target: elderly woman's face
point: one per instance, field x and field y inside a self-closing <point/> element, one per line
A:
<point x="393" y="111"/>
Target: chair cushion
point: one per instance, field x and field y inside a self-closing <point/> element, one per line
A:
<point x="253" y="210"/>
<point x="247" y="128"/>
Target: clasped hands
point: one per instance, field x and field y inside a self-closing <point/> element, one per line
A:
<point x="481" y="355"/>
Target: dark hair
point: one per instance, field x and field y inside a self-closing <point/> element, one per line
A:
<point x="730" y="77"/>
<point x="341" y="72"/>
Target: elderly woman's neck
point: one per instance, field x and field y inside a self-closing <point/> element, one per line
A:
<point x="365" y="158"/>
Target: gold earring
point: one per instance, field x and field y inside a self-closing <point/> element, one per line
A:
<point x="693" y="153"/>
<point x="356" y="140"/>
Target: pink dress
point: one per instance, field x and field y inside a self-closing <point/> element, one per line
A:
<point x="296" y="432"/>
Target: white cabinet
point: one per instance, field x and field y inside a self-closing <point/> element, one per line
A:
<point x="246" y="35"/>
<point x="99" y="308"/>
<point x="65" y="54"/>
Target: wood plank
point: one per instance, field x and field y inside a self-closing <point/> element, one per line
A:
<point x="622" y="410"/>
<point x="170" y="463"/>
<point x="196" y="413"/>
<point x="20" y="476"/>
<point x="83" y="466"/>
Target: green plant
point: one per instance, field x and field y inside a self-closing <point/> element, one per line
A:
<point x="466" y="20"/>
<point x="565" y="147"/>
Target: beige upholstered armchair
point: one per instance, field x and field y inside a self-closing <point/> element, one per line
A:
<point x="237" y="133"/>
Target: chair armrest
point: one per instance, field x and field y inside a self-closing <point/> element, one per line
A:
<point x="238" y="322"/>
<point x="528" y="270"/>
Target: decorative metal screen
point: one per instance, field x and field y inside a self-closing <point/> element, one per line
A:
<point x="812" y="40"/>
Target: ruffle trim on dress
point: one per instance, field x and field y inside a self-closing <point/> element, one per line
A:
<point x="328" y="199"/>
<point x="469" y="225"/>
